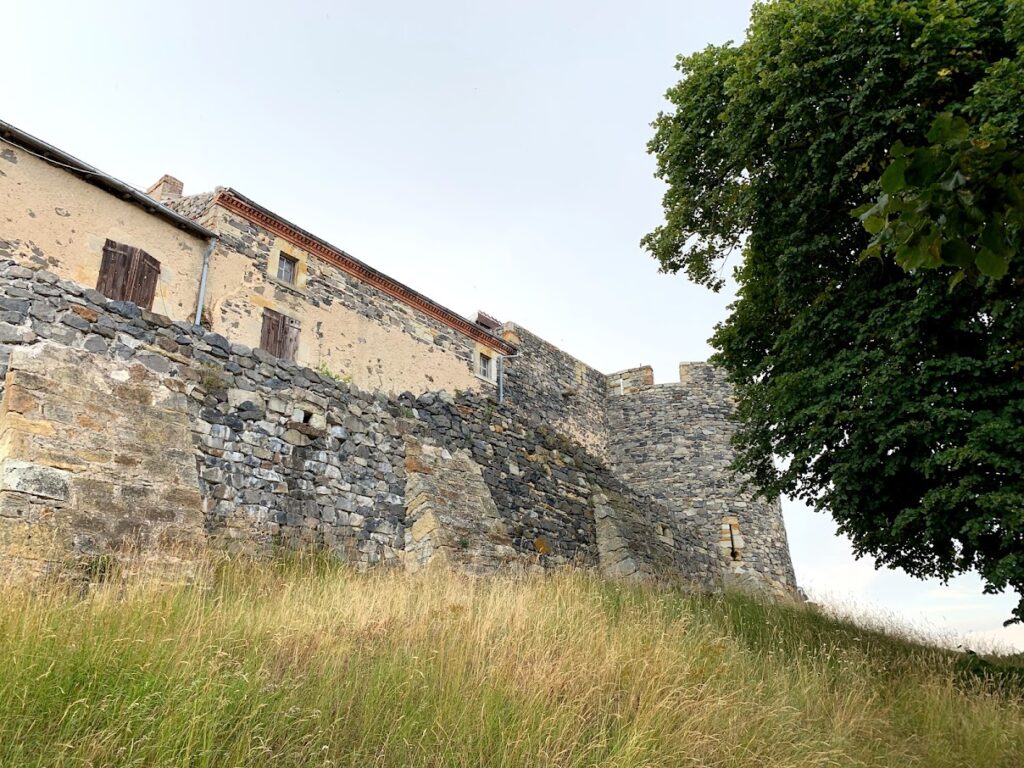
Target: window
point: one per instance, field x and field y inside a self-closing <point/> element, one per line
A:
<point x="128" y="274"/>
<point x="286" y="268"/>
<point x="280" y="335"/>
<point x="486" y="367"/>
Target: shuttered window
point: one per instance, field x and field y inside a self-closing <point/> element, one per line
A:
<point x="280" y="335"/>
<point x="128" y="273"/>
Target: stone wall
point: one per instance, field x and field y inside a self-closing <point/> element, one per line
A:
<point x="96" y="460"/>
<point x="633" y="380"/>
<point x="671" y="441"/>
<point x="557" y="389"/>
<point x="285" y="456"/>
<point x="50" y="219"/>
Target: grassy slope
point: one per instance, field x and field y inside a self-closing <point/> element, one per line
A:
<point x="302" y="664"/>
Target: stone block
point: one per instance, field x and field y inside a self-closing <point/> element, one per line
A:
<point x="13" y="334"/>
<point x="35" y="479"/>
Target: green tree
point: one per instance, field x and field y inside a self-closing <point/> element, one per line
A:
<point x="890" y="401"/>
<point x="958" y="202"/>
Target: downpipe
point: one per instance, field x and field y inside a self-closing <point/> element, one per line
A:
<point x="202" y="280"/>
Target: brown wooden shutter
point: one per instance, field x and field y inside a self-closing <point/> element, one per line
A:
<point x="279" y="335"/>
<point x="145" y="270"/>
<point x="114" y="268"/>
<point x="128" y="274"/>
<point x="271" y="332"/>
<point x="291" y="338"/>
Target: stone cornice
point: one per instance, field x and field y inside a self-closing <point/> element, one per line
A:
<point x="232" y="201"/>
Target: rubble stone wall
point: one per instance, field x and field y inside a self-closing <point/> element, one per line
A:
<point x="281" y="455"/>
<point x="557" y="389"/>
<point x="671" y="442"/>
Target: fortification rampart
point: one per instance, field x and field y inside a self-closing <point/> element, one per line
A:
<point x="122" y="429"/>
<point x="125" y="428"/>
<point x="672" y="443"/>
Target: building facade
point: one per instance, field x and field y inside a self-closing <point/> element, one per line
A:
<point x="302" y="396"/>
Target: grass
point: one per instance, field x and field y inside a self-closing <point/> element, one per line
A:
<point x="303" y="663"/>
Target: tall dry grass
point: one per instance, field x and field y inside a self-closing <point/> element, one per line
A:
<point x="303" y="663"/>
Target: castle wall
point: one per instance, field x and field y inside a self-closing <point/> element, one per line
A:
<point x="671" y="441"/>
<point x="572" y="467"/>
<point x="95" y="459"/>
<point x="285" y="456"/>
<point x="346" y="325"/>
<point x="557" y="389"/>
<point x="51" y="219"/>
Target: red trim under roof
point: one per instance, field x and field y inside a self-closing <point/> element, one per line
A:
<point x="233" y="201"/>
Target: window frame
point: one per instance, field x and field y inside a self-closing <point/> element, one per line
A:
<point x="491" y="358"/>
<point x="293" y="267"/>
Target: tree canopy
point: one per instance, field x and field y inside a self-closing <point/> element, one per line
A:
<point x="866" y="386"/>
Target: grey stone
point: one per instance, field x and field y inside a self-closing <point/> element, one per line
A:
<point x="11" y="334"/>
<point x="35" y="479"/>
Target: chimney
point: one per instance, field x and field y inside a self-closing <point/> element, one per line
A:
<point x="166" y="189"/>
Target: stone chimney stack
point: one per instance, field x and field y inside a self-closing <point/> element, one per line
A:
<point x="166" y="189"/>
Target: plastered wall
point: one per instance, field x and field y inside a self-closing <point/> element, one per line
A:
<point x="51" y="219"/>
<point x="347" y="326"/>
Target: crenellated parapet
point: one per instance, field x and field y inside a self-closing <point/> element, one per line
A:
<point x="672" y="442"/>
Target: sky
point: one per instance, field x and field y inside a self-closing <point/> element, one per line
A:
<point x="490" y="155"/>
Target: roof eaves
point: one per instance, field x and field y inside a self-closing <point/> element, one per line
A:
<point x="51" y="154"/>
<point x="367" y="273"/>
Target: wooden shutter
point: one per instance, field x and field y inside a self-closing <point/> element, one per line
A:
<point x="128" y="274"/>
<point x="271" y="336"/>
<point x="280" y="335"/>
<point x="114" y="268"/>
<point x="142" y="277"/>
<point x="291" y="338"/>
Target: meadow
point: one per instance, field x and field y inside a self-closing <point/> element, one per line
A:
<point x="301" y="662"/>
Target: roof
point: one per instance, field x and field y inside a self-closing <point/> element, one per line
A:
<point x="235" y="201"/>
<point x="60" y="158"/>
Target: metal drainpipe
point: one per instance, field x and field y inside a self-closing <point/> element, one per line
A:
<point x="501" y="375"/>
<point x="202" y="280"/>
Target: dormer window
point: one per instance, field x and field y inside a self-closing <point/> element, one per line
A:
<point x="286" y="268"/>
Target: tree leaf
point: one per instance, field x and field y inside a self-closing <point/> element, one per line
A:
<point x="947" y="129"/>
<point x="892" y="180"/>
<point x="958" y="253"/>
<point x="874" y="224"/>
<point x="991" y="264"/>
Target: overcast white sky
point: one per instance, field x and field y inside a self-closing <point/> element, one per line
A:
<point x="491" y="155"/>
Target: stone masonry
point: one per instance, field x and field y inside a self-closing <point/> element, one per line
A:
<point x="397" y="433"/>
<point x="687" y="471"/>
<point x="122" y="429"/>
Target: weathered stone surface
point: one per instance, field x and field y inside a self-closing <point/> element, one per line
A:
<point x="687" y="469"/>
<point x="166" y="434"/>
<point x="113" y="466"/>
<point x="35" y="479"/>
